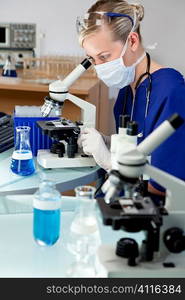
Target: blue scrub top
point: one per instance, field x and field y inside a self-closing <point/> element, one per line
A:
<point x="167" y="97"/>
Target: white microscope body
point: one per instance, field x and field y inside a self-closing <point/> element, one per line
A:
<point x="58" y="92"/>
<point x="166" y="248"/>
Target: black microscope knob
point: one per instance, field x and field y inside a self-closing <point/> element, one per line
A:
<point x="72" y="147"/>
<point x="79" y="123"/>
<point x="174" y="240"/>
<point x="58" y="148"/>
<point x="128" y="248"/>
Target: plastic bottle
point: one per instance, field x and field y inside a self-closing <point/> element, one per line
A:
<point x="46" y="214"/>
<point x="9" y="68"/>
<point x="22" y="162"/>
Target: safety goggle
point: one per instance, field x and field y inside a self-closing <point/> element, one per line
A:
<point x="98" y="18"/>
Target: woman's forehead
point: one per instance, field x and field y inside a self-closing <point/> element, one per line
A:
<point x="100" y="41"/>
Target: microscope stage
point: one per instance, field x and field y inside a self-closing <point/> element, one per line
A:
<point x="49" y="160"/>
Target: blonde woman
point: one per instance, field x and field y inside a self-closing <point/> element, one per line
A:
<point x="149" y="92"/>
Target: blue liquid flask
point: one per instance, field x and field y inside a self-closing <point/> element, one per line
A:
<point x="9" y="68"/>
<point x="46" y="214"/>
<point x="22" y="162"/>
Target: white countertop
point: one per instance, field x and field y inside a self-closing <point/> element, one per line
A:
<point x="20" y="256"/>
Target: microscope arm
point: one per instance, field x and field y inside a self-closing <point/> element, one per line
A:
<point x="88" y="110"/>
<point x="175" y="187"/>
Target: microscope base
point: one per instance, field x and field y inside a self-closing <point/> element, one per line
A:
<point x="49" y="160"/>
<point x="112" y="266"/>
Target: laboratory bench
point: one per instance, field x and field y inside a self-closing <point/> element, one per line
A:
<point x="21" y="256"/>
<point x="32" y="91"/>
<point x="65" y="178"/>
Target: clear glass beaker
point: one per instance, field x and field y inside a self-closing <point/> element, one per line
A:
<point x="84" y="237"/>
<point x="22" y="162"/>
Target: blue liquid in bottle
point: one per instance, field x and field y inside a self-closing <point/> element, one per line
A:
<point x="46" y="214"/>
<point x="22" y="163"/>
<point x="46" y="226"/>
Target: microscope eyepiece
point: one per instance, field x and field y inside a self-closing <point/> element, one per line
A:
<point x="86" y="63"/>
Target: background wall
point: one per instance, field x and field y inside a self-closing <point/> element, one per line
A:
<point x="55" y="19"/>
<point x="164" y="24"/>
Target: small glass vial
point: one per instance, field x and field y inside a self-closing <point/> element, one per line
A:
<point x="46" y="214"/>
<point x="22" y="162"/>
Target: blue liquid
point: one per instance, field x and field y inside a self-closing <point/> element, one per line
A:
<point x="9" y="73"/>
<point x="46" y="226"/>
<point x="22" y="167"/>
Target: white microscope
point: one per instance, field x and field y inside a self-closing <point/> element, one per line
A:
<point x="64" y="151"/>
<point x="162" y="250"/>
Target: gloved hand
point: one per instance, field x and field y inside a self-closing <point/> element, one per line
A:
<point x="107" y="140"/>
<point x="93" y="144"/>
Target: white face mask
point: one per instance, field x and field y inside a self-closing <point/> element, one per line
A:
<point x="115" y="74"/>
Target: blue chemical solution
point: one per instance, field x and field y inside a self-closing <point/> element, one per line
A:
<point x="22" y="163"/>
<point x="46" y="227"/>
<point x="9" y="73"/>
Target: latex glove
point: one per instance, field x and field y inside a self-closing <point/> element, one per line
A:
<point x="106" y="138"/>
<point x="93" y="144"/>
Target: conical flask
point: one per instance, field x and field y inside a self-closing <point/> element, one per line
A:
<point x="22" y="162"/>
<point x="84" y="236"/>
<point x="9" y="68"/>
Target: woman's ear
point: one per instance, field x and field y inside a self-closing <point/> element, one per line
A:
<point x="134" y="41"/>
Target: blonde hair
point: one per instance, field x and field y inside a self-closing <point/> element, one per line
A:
<point x="119" y="26"/>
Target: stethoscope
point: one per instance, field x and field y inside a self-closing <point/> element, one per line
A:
<point x="148" y="91"/>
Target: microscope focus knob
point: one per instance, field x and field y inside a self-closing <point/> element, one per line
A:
<point x="174" y="240"/>
<point x="128" y="248"/>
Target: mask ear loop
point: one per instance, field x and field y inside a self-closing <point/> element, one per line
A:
<point x="132" y="30"/>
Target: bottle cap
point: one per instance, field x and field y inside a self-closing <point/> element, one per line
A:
<point x="123" y="121"/>
<point x="132" y="128"/>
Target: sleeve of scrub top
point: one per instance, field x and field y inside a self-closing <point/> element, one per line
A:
<point x="170" y="155"/>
